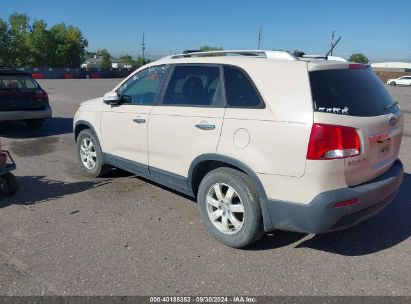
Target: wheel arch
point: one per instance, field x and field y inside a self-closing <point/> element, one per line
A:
<point x="82" y="125"/>
<point x="203" y="164"/>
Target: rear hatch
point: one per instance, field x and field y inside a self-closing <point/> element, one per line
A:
<point x="20" y="92"/>
<point x="354" y="96"/>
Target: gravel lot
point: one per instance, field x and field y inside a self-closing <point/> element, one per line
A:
<point x="64" y="234"/>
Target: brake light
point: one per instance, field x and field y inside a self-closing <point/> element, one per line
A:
<point x="333" y="142"/>
<point x="346" y="203"/>
<point x="41" y="94"/>
<point x="357" y="66"/>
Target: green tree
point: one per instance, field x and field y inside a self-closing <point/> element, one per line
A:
<point x="105" y="58"/>
<point x="19" y="44"/>
<point x="40" y="44"/>
<point x="5" y="39"/>
<point x="207" y="48"/>
<point x="23" y="44"/>
<point x="127" y="59"/>
<point x="68" y="45"/>
<point x="359" y="58"/>
<point x="142" y="61"/>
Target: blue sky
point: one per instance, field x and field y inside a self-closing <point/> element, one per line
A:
<point x="379" y="29"/>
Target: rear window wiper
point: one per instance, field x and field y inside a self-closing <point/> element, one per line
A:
<point x="391" y="105"/>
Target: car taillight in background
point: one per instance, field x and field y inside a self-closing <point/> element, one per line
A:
<point x="333" y="142"/>
<point x="41" y="95"/>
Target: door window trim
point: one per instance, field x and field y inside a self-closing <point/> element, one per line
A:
<point x="166" y="83"/>
<point x="157" y="97"/>
<point x="261" y="105"/>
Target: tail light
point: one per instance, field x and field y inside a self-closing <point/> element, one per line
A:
<point x="333" y="142"/>
<point x="41" y="94"/>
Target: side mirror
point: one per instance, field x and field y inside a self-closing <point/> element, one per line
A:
<point x="111" y="98"/>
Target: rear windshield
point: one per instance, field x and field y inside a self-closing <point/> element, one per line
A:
<point x="22" y="82"/>
<point x="355" y="92"/>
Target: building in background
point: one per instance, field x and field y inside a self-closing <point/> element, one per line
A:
<point x="390" y="70"/>
<point x="392" y="67"/>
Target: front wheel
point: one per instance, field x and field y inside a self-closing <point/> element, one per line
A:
<point x="393" y="83"/>
<point x="89" y="154"/>
<point x="229" y="207"/>
<point x="8" y="184"/>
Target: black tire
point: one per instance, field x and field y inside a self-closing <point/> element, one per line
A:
<point x="252" y="228"/>
<point x="8" y="184"/>
<point x="99" y="169"/>
<point x="393" y="83"/>
<point x="35" y="123"/>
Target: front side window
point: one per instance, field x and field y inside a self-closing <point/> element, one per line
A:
<point x="141" y="88"/>
<point x="191" y="85"/>
<point x="240" y="91"/>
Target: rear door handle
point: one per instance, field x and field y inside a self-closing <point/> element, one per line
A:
<point x="139" y="120"/>
<point x="204" y="125"/>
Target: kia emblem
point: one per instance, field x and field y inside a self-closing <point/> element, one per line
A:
<point x="393" y="121"/>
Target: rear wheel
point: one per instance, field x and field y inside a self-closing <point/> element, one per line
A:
<point x="89" y="154"/>
<point x="229" y="207"/>
<point x="393" y="83"/>
<point x="35" y="123"/>
<point x="8" y="184"/>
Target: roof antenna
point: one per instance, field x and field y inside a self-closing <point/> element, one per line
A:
<point x="332" y="47"/>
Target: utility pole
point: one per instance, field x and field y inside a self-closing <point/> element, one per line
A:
<point x="332" y="42"/>
<point x="143" y="48"/>
<point x="260" y="31"/>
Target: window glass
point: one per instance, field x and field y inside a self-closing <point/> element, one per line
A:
<point x="240" y="92"/>
<point x="355" y="92"/>
<point x="194" y="86"/>
<point x="143" y="86"/>
<point x="22" y="82"/>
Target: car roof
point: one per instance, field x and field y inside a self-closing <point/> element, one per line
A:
<point x="8" y="71"/>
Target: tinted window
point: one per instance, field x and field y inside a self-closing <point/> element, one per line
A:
<point x="143" y="86"/>
<point x="240" y="92"/>
<point x="355" y="92"/>
<point x="23" y="82"/>
<point x="194" y="86"/>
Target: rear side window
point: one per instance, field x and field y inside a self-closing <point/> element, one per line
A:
<point x="21" y="82"/>
<point x="355" y="92"/>
<point x="194" y="86"/>
<point x="240" y="91"/>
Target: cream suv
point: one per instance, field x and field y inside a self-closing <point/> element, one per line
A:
<point x="263" y="140"/>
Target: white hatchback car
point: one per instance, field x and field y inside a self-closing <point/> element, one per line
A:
<point x="263" y="140"/>
<point x="404" y="80"/>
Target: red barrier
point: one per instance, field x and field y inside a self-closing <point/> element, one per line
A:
<point x="95" y="75"/>
<point x="69" y="76"/>
<point x="38" y="75"/>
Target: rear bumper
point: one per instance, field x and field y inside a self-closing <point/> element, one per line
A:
<point x="320" y="216"/>
<point x="26" y="114"/>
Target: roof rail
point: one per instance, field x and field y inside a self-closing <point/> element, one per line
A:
<point x="321" y="57"/>
<point x="279" y="55"/>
